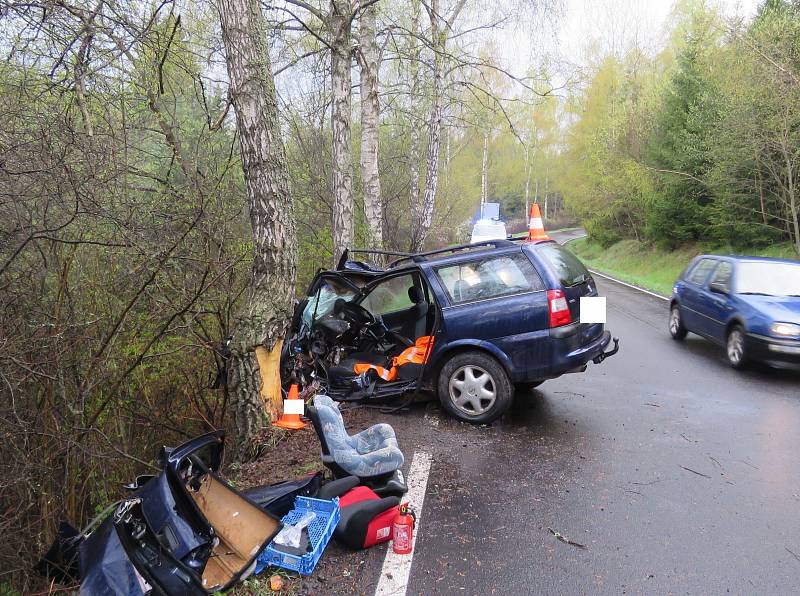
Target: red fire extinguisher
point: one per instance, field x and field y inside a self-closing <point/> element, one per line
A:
<point x="403" y="530"/>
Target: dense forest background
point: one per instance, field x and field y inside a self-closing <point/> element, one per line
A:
<point x="125" y="244"/>
<point x="699" y="142"/>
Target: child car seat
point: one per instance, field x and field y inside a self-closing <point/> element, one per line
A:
<point x="365" y="518"/>
<point x="372" y="455"/>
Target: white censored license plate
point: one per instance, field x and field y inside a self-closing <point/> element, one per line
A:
<point x="593" y="309"/>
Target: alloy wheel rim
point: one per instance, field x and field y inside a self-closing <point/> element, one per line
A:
<point x="735" y="347"/>
<point x="472" y="390"/>
<point x="674" y="321"/>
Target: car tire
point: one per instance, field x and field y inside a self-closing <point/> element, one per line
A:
<point x="676" y="328"/>
<point x="736" y="347"/>
<point x="530" y="386"/>
<point x="475" y="387"/>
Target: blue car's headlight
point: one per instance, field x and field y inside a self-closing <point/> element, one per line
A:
<point x="785" y="329"/>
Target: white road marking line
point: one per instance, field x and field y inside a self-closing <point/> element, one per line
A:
<point x="627" y="285"/>
<point x="397" y="568"/>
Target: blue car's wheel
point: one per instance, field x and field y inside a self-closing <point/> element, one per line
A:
<point x="474" y="387"/>
<point x="736" y="347"/>
<point x="676" y="328"/>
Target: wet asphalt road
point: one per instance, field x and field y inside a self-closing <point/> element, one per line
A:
<point x="676" y="473"/>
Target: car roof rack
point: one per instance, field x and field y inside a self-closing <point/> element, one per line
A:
<point x="423" y="256"/>
<point x="370" y="251"/>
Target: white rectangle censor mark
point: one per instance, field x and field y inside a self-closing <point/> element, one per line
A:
<point x="294" y="406"/>
<point x="593" y="309"/>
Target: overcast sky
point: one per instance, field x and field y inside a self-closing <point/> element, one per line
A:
<point x="591" y="27"/>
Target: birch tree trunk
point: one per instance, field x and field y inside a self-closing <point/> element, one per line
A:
<point x="414" y="144"/>
<point x="527" y="182"/>
<point x="370" y="113"/>
<point x="423" y="224"/>
<point x="262" y="322"/>
<point x="341" y="116"/>
<point x="484" y="171"/>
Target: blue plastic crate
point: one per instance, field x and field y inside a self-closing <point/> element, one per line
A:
<point x="320" y="531"/>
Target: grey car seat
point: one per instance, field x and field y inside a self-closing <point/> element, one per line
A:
<point x="372" y="455"/>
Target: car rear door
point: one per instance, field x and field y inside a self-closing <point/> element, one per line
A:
<point x="500" y="299"/>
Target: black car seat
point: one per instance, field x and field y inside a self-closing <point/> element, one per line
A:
<point x="419" y="312"/>
<point x="342" y="374"/>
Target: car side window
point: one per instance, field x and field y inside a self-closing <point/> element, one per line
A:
<point x="390" y="295"/>
<point x="700" y="271"/>
<point x="722" y="276"/>
<point x="490" y="277"/>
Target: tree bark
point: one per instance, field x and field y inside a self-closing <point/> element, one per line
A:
<point x="424" y="219"/>
<point x="262" y="322"/>
<point x="370" y="114"/>
<point x="527" y="182"/>
<point x="341" y="116"/>
<point x="414" y="144"/>
<point x="484" y="171"/>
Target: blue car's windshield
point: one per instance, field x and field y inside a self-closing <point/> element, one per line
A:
<point x="768" y="279"/>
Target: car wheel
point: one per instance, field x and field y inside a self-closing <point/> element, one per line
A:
<point x="474" y="387"/>
<point x="530" y="386"/>
<point x="676" y="328"/>
<point x="736" y="347"/>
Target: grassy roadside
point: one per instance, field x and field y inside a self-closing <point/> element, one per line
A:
<point x="652" y="268"/>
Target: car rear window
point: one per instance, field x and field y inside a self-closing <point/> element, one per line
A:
<point x="569" y="269"/>
<point x="700" y="272"/>
<point x="490" y="277"/>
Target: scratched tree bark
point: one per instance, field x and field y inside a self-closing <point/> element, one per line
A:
<point x="262" y="322"/>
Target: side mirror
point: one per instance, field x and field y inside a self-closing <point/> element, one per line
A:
<point x="718" y="288"/>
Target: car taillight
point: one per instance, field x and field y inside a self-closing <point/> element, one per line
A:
<point x="559" y="309"/>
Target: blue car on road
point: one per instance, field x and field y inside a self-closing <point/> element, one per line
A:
<point x="750" y="305"/>
<point x="470" y="323"/>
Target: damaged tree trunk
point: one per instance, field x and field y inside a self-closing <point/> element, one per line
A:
<point x="370" y="114"/>
<point x="253" y="372"/>
<point x="424" y="218"/>
<point x="340" y="21"/>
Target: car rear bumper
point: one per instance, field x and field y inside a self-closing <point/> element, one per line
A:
<point x="772" y="349"/>
<point x="591" y="350"/>
<point x="574" y="346"/>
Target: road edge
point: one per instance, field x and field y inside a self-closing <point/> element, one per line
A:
<point x="619" y="281"/>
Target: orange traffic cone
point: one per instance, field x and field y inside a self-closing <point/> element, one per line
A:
<point x="290" y="421"/>
<point x="535" y="225"/>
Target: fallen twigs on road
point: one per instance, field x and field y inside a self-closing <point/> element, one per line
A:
<point x="695" y="472"/>
<point x="566" y="540"/>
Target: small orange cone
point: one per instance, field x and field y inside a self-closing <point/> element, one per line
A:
<point x="535" y="225"/>
<point x="290" y="421"/>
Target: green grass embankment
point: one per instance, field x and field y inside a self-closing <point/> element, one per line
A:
<point x="652" y="268"/>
